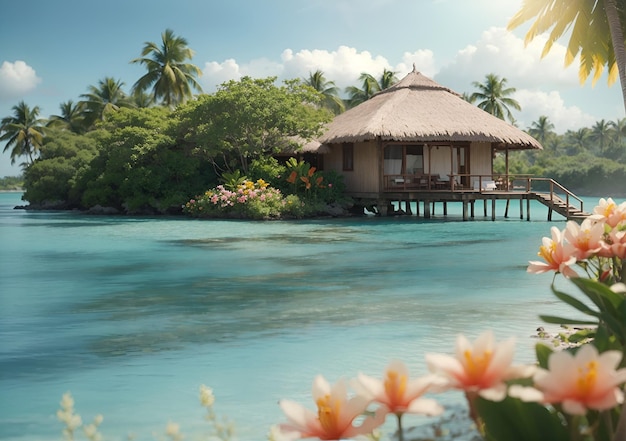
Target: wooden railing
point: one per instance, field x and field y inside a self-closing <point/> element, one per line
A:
<point x="457" y="182"/>
<point x="557" y="192"/>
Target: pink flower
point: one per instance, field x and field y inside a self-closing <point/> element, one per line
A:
<point x="334" y="417"/>
<point x="608" y="211"/>
<point x="397" y="392"/>
<point x="586" y="238"/>
<point x="558" y="255"/>
<point x="615" y="244"/>
<point x="586" y="380"/>
<point x="482" y="367"/>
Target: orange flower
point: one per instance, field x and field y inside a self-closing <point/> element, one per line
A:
<point x="586" y="238"/>
<point x="586" y="380"/>
<point x="398" y="393"/>
<point x="335" y="415"/>
<point x="557" y="254"/>
<point x="482" y="367"/>
<point x="292" y="177"/>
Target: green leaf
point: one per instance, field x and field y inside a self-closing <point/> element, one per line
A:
<point x="515" y="420"/>
<point x="572" y="301"/>
<point x="543" y="352"/>
<point x="593" y="288"/>
<point x="564" y="321"/>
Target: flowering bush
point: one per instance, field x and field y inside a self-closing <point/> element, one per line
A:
<point x="249" y="200"/>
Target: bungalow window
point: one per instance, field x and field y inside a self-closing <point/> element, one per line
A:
<point x="404" y="159"/>
<point x="348" y="157"/>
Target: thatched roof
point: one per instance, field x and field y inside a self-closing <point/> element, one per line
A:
<point x="417" y="109"/>
<point x="297" y="144"/>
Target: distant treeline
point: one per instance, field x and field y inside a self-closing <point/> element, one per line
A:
<point x="11" y="183"/>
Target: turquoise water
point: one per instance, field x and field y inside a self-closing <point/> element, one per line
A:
<point x="132" y="315"/>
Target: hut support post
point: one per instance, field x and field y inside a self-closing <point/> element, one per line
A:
<point x="407" y="206"/>
<point x="472" y="204"/>
<point x="521" y="209"/>
<point x="506" y="210"/>
<point x="426" y="209"/>
<point x="465" y="210"/>
<point x="493" y="209"/>
<point x="445" y="208"/>
<point x="485" y="207"/>
<point x="527" y="209"/>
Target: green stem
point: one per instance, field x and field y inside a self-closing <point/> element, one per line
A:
<point x="400" y="431"/>
<point x="620" y="430"/>
<point x="574" y="431"/>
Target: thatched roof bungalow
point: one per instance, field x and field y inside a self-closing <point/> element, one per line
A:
<point x="417" y="134"/>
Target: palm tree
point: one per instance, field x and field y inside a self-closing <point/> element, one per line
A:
<point x="387" y="79"/>
<point x="332" y="101"/>
<point x="369" y="86"/>
<point x="542" y="129"/>
<point x="493" y="97"/>
<point x="619" y="129"/>
<point x="104" y="98"/>
<point x="169" y="76"/>
<point x="578" y="139"/>
<point x="23" y="132"/>
<point x="597" y="33"/>
<point x="142" y="99"/>
<point x="601" y="134"/>
<point x="72" y="117"/>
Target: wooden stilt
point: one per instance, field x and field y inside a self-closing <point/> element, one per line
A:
<point x="427" y="209"/>
<point x="493" y="209"/>
<point x="407" y="207"/>
<point x="473" y="203"/>
<point x="465" y="210"/>
<point x="527" y="209"/>
<point x="485" y="207"/>
<point x="506" y="209"/>
<point x="521" y="208"/>
<point x="445" y="208"/>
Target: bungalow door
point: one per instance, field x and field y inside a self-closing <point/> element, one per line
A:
<point x="462" y="165"/>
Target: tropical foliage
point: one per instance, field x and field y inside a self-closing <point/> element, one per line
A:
<point x="248" y="200"/>
<point x="494" y="97"/>
<point x="169" y="74"/>
<point x="101" y="100"/>
<point x="329" y="91"/>
<point x="250" y="118"/>
<point x="597" y="33"/>
<point x="588" y="161"/>
<point x="23" y="133"/>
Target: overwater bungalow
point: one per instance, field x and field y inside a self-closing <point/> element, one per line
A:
<point x="420" y="142"/>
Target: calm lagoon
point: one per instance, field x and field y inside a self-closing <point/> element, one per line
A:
<point x="132" y="315"/>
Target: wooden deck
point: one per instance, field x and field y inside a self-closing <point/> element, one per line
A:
<point x="551" y="194"/>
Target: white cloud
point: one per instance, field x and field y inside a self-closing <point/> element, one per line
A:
<point x="503" y="53"/>
<point x="343" y="66"/>
<point x="16" y="80"/>
<point x="536" y="103"/>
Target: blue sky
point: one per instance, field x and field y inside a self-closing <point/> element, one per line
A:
<point x="52" y="51"/>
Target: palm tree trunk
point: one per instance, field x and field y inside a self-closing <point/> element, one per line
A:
<point x="617" y="37"/>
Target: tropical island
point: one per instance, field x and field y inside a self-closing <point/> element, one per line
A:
<point x="160" y="149"/>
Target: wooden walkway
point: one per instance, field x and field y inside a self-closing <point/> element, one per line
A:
<point x="556" y="198"/>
